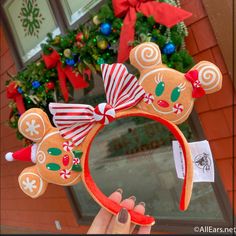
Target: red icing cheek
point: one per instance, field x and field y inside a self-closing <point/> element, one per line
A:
<point x="65" y="160"/>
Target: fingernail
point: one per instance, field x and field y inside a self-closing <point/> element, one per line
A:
<point x="142" y="204"/>
<point x="123" y="216"/>
<point x="133" y="198"/>
<point x="119" y="190"/>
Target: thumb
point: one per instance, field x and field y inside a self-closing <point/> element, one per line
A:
<point x="122" y="222"/>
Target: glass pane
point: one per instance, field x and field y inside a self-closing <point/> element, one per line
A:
<point x="136" y="155"/>
<point x="30" y="22"/>
<point x="74" y="10"/>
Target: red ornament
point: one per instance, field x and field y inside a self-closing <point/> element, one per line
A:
<point x="79" y="37"/>
<point x="50" y="85"/>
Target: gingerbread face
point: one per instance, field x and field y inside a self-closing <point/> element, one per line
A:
<point x="58" y="161"/>
<point x="170" y="94"/>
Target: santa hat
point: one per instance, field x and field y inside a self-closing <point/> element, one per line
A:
<point x="24" y="154"/>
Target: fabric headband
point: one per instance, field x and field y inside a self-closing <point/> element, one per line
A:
<point x="76" y="121"/>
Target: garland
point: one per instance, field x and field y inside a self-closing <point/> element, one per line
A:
<point x="69" y="60"/>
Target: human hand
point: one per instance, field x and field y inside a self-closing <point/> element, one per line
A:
<point x="106" y="223"/>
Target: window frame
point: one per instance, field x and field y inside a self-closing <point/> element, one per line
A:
<point x="20" y="65"/>
<point x="177" y="226"/>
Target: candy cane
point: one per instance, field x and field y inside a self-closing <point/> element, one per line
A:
<point x="178" y="108"/>
<point x="68" y="146"/>
<point x="148" y="98"/>
<point x="65" y="174"/>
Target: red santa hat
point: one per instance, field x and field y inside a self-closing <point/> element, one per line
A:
<point x="24" y="154"/>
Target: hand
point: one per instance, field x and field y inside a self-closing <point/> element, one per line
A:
<point x="106" y="223"/>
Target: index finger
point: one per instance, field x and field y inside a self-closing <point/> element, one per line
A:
<point x="103" y="218"/>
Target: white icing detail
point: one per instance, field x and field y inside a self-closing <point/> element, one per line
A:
<point x="32" y="126"/>
<point x="48" y="135"/>
<point x="40" y="182"/>
<point x="33" y="153"/>
<point x="29" y="184"/>
<point x="41" y="157"/>
<point x="153" y="56"/>
<point x="27" y="136"/>
<point x="209" y="76"/>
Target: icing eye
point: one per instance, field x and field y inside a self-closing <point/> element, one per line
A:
<point x="175" y="94"/>
<point x="160" y="88"/>
<point x="54" y="151"/>
<point x="53" y="166"/>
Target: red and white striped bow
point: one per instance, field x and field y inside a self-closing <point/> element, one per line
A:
<point x="122" y="92"/>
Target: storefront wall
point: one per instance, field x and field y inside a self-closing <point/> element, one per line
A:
<point x="214" y="111"/>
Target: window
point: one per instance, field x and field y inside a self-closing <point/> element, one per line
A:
<point x="136" y="155"/>
<point x="27" y="23"/>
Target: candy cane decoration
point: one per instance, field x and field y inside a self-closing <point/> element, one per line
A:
<point x="122" y="92"/>
<point x="65" y="174"/>
<point x="148" y="98"/>
<point x="76" y="161"/>
<point x="68" y="146"/>
<point x="178" y="108"/>
<point x="104" y="113"/>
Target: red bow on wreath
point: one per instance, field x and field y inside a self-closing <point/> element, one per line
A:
<point x="77" y="81"/>
<point x="163" y="13"/>
<point x="192" y="77"/>
<point x="13" y="93"/>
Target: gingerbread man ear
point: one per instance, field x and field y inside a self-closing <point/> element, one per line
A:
<point x="209" y="76"/>
<point x="34" y="124"/>
<point x="145" y="55"/>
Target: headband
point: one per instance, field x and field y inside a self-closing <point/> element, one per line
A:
<point x="161" y="94"/>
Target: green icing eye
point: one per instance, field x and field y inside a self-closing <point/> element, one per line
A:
<point x="160" y="88"/>
<point x="53" y="166"/>
<point x="54" y="151"/>
<point x="175" y="94"/>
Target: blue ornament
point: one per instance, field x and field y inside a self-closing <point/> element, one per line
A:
<point x="70" y="61"/>
<point x="169" y="48"/>
<point x="36" y="84"/>
<point x="105" y="28"/>
<point x="19" y="89"/>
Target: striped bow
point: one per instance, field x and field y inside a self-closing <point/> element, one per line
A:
<point x="122" y="92"/>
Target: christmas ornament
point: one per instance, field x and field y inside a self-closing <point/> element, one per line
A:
<point x="100" y="61"/>
<point x="168" y="48"/>
<point x="79" y="37"/>
<point x="36" y="84"/>
<point x="50" y="85"/>
<point x="67" y="52"/>
<point x="102" y="44"/>
<point x="57" y="40"/>
<point x="70" y="61"/>
<point x="105" y="28"/>
<point x="19" y="89"/>
<point x="96" y="20"/>
<point x="163" y="13"/>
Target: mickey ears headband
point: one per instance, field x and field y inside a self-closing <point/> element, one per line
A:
<point x="81" y="123"/>
<point x="124" y="94"/>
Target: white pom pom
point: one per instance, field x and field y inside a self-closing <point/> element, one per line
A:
<point x="9" y="156"/>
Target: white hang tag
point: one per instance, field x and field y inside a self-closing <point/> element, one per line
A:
<point x="203" y="165"/>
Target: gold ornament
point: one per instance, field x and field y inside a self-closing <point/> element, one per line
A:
<point x="67" y="52"/>
<point x="57" y="40"/>
<point x="102" y="44"/>
<point x="96" y="21"/>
